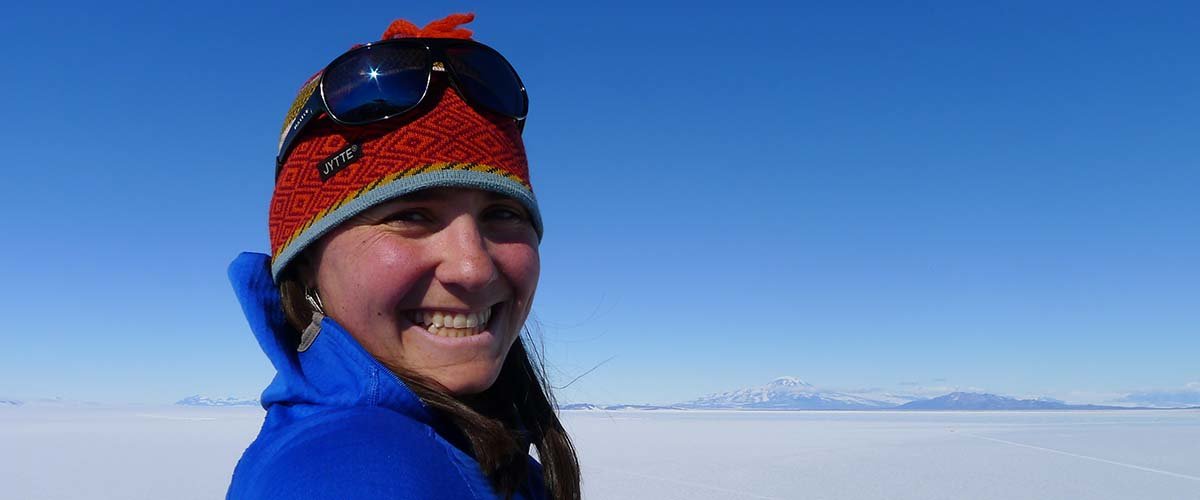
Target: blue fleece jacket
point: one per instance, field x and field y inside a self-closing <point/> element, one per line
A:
<point x="341" y="425"/>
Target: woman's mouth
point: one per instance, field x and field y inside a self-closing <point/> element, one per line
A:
<point x="451" y="323"/>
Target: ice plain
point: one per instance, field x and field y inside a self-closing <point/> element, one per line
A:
<point x="189" y="453"/>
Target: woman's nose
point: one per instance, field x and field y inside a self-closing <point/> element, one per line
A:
<point x="466" y="261"/>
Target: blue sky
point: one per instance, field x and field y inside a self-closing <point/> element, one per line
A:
<point x="923" y="196"/>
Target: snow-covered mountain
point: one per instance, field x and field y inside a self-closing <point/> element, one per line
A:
<point x="55" y="402"/>
<point x="787" y="393"/>
<point x="199" y="400"/>
<point x="1172" y="398"/>
<point x="616" y="407"/>
<point x="984" y="401"/>
<point x="580" y="406"/>
<point x="641" y="407"/>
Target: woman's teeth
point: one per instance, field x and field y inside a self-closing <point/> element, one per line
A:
<point x="449" y="324"/>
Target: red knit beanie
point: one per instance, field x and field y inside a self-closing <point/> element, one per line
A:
<point x="449" y="143"/>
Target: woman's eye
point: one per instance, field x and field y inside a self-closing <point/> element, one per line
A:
<point x="507" y="214"/>
<point x="412" y="216"/>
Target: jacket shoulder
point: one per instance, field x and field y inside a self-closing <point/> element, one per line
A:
<point x="537" y="482"/>
<point x="362" y="453"/>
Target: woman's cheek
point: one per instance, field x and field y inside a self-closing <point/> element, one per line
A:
<point x="522" y="266"/>
<point x="392" y="258"/>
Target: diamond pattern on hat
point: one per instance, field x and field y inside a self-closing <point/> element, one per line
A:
<point x="451" y="136"/>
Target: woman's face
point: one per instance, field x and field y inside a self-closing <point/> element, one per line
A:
<point x="438" y="282"/>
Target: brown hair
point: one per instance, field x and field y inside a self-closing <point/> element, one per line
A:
<point x="490" y="422"/>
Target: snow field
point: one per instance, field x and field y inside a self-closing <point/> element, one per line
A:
<point x="889" y="455"/>
<point x="189" y="453"/>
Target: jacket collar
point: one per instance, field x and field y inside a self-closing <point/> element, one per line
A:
<point x="335" y="371"/>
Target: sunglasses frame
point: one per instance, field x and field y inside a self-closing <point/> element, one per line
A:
<point x="316" y="104"/>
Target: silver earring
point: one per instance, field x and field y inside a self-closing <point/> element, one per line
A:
<point x="314" y="300"/>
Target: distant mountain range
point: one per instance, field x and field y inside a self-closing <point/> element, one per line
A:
<point x="592" y="407"/>
<point x="791" y="393"/>
<point x="56" y="402"/>
<point x="783" y="393"/>
<point x="196" y="400"/>
<point x="786" y="393"/>
<point x="983" y="401"/>
<point x="199" y="400"/>
<point x="580" y="406"/>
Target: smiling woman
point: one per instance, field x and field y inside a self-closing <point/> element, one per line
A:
<point x="404" y="237"/>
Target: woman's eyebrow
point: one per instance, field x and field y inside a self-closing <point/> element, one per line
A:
<point x="439" y="194"/>
<point x="422" y="195"/>
<point x="494" y="196"/>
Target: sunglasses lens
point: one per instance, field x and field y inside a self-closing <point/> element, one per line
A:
<point x="488" y="80"/>
<point x="376" y="82"/>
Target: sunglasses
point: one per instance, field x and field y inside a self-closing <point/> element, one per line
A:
<point x="383" y="80"/>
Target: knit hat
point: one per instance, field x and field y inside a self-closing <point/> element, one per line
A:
<point x="447" y="143"/>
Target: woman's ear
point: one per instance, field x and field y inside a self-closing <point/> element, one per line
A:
<point x="296" y="282"/>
